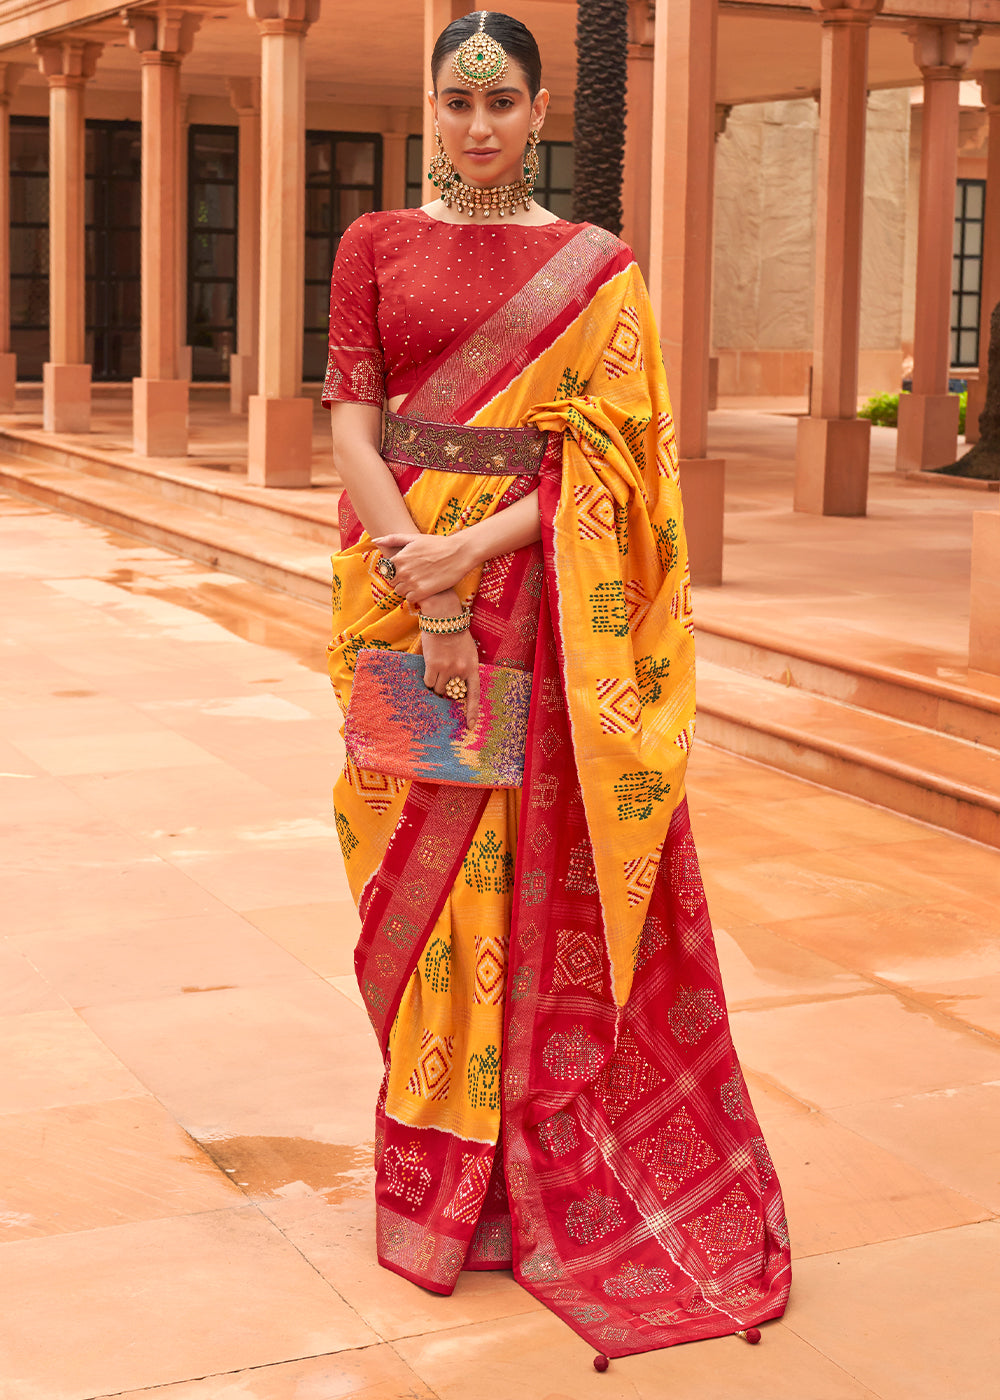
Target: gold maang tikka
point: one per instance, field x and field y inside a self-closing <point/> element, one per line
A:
<point x="480" y="61"/>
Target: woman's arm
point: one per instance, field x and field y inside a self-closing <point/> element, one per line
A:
<point x="356" y="430"/>
<point x="427" y="563"/>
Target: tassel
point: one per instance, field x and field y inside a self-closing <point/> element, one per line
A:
<point x="601" y="1362"/>
<point x="751" y="1335"/>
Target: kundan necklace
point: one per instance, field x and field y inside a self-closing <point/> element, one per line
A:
<point x="473" y="199"/>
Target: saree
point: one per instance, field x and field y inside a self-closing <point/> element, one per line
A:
<point x="561" y="1093"/>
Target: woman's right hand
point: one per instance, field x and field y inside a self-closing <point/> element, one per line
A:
<point x="449" y="656"/>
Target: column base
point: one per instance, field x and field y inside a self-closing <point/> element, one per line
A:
<point x="974" y="406"/>
<point x="703" y="487"/>
<point x="279" y="442"/>
<point x="927" y="435"/>
<point x="242" y="381"/>
<point x="65" y="398"/>
<point x="160" y="417"/>
<point x="831" y="466"/>
<point x="984" y="611"/>
<point x="8" y="383"/>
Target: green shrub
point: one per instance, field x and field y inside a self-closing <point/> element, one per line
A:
<point x="882" y="409"/>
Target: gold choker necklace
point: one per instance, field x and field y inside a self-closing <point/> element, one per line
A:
<point x="471" y="200"/>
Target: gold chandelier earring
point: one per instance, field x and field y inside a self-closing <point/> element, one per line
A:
<point x="442" y="174"/>
<point x="531" y="162"/>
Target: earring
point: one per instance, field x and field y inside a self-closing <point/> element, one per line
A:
<point x="441" y="172"/>
<point x="531" y="162"/>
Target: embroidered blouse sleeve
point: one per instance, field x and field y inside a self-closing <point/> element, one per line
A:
<point x="354" y="371"/>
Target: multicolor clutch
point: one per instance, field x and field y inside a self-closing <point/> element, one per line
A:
<point x="396" y="725"/>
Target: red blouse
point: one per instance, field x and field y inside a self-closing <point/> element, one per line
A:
<point x="405" y="285"/>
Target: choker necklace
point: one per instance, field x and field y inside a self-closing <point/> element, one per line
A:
<point x="471" y="200"/>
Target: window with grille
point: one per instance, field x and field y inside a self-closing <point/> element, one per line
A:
<point x="213" y="215"/>
<point x="967" y="267"/>
<point x="343" y="181"/>
<point x="29" y="244"/>
<point x="114" y="288"/>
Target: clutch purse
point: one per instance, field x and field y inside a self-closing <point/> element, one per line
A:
<point x="395" y="725"/>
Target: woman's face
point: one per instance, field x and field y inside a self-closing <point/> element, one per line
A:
<point x="485" y="133"/>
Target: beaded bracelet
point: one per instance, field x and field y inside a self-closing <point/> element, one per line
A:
<point x="444" y="625"/>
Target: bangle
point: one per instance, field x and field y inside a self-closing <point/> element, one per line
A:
<point x="444" y="625"/>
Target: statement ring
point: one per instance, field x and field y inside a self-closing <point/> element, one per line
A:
<point x="456" y="689"/>
<point x="386" y="568"/>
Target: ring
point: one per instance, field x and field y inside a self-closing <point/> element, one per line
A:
<point x="456" y="689"/>
<point x="386" y="568"/>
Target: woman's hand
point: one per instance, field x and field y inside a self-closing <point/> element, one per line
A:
<point x="427" y="564"/>
<point x="448" y="656"/>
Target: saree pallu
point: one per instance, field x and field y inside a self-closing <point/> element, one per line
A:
<point x="561" y="1093"/>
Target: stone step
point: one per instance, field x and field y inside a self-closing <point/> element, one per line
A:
<point x="215" y="486"/>
<point x="275" y="558"/>
<point x="959" y="704"/>
<point x="938" y="778"/>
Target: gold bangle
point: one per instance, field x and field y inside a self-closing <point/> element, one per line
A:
<point x="444" y="625"/>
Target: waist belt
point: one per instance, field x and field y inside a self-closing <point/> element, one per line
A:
<point x="453" y="447"/>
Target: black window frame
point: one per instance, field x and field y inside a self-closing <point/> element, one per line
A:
<point x="113" y="343"/>
<point x="966" y="300"/>
<point x="196" y="331"/>
<point x="39" y="275"/>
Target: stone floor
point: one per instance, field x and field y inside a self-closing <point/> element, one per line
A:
<point x="187" y="1078"/>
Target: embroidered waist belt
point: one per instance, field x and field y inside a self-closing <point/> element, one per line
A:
<point x="453" y="447"/>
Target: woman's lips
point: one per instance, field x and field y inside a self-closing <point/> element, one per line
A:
<point x="481" y="155"/>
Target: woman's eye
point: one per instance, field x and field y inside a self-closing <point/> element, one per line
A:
<point x="503" y="103"/>
<point x="456" y="104"/>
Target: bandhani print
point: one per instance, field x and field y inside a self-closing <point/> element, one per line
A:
<point x="561" y="1093"/>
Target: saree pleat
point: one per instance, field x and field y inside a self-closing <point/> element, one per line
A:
<point x="539" y="966"/>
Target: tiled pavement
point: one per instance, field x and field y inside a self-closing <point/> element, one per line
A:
<point x="187" y="1079"/>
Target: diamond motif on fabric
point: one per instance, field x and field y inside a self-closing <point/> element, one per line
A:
<point x="618" y="705"/>
<point x="432" y="1077"/>
<point x="467" y="1201"/>
<point x="637" y="602"/>
<point x="640" y="876"/>
<point x="635" y="1281"/>
<point x="675" y="1152"/>
<point x="494" y="577"/>
<point x="405" y="1174"/>
<point x="763" y="1159"/>
<point x="572" y="1055"/>
<point x="540" y="839"/>
<point x="520" y="983"/>
<point x="734" y="1096"/>
<point x="728" y="1228"/>
<point x="544" y="789"/>
<point x="557" y="1134"/>
<point x="593" y="1218"/>
<point x="489" y="970"/>
<point x="685" y="738"/>
<point x="694" y="1012"/>
<point x="595" y="512"/>
<point x="626" y="1077"/>
<point x="550" y="742"/>
<point x="666" y="447"/>
<point x="581" y="876"/>
<point x="652" y="940"/>
<point x="685" y="876"/>
<point x="680" y="604"/>
<point x="377" y="790"/>
<point x="624" y="350"/>
<point x="578" y="961"/>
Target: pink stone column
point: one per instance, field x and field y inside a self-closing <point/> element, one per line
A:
<point x="66" y="65"/>
<point x="831" y="449"/>
<point x="394" y="159"/>
<point x="928" y="417"/>
<point x="280" y="419"/>
<point x="160" y="394"/>
<point x="244" y="94"/>
<point x="637" y="174"/>
<point x="438" y="14"/>
<point x="680" y="254"/>
<point x="10" y="76"/>
<point x="989" y="84"/>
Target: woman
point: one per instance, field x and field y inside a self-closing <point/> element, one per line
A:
<point x="537" y="960"/>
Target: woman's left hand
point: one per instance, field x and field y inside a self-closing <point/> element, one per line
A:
<point x="426" y="564"/>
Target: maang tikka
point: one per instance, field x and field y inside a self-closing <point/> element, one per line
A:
<point x="480" y="61"/>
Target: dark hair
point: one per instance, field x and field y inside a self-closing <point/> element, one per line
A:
<point x="518" y="43"/>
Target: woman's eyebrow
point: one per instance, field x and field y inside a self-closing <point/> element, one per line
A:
<point x="464" y="92"/>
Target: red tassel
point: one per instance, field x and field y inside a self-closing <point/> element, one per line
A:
<point x="751" y="1335"/>
<point x="601" y="1362"/>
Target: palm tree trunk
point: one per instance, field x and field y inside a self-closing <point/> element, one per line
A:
<point x="599" y="112"/>
<point x="983" y="460"/>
